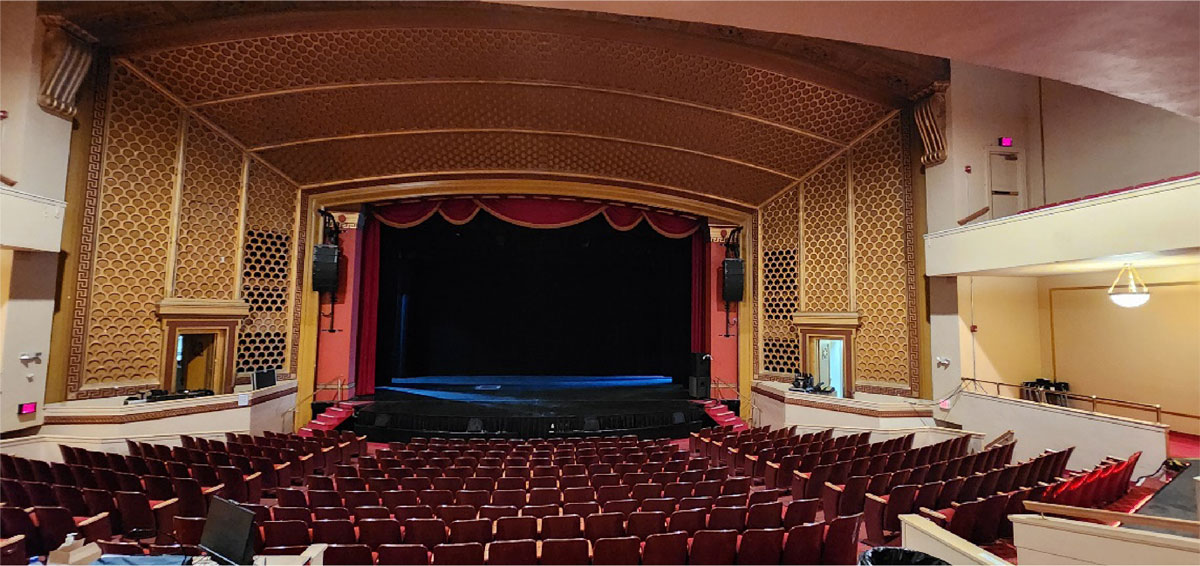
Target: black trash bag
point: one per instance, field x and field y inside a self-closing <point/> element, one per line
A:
<point x="889" y="555"/>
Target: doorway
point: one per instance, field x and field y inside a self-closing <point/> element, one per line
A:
<point x="828" y="362"/>
<point x="194" y="362"/>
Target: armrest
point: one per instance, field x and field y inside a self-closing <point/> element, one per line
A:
<point x="214" y="490"/>
<point x="92" y="519"/>
<point x="305" y="457"/>
<point x="282" y="466"/>
<point x="752" y="457"/>
<point x="168" y="502"/>
<point x="933" y="514"/>
<point x="97" y="527"/>
<point x="876" y="499"/>
<point x="800" y="474"/>
<point x="771" y="464"/>
<point x="836" y="488"/>
<point x="955" y="504"/>
<point x="253" y="476"/>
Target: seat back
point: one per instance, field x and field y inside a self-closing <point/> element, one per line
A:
<point x="666" y="548"/>
<point x="803" y="544"/>
<point x="617" y="550"/>
<point x="713" y="547"/>
<point x="348" y="554"/>
<point x="565" y="551"/>
<point x="840" y="545"/>
<point x="760" y="546"/>
<point x="515" y="552"/>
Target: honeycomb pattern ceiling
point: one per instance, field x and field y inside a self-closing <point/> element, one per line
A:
<point x="335" y="98"/>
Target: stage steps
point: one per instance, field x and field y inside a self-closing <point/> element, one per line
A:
<point x="334" y="416"/>
<point x="723" y="416"/>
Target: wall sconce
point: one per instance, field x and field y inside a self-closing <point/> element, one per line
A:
<point x="1132" y="293"/>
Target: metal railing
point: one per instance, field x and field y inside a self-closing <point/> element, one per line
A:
<point x="342" y="386"/>
<point x="1059" y="399"/>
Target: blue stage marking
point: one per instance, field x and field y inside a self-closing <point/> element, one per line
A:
<point x="530" y="381"/>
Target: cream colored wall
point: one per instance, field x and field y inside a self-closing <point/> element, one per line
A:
<point x="1006" y="346"/>
<point x="1096" y="142"/>
<point x="1039" y="427"/>
<point x="1149" y="354"/>
<point x="922" y="535"/>
<point x="1051" y="540"/>
<point x="34" y="146"/>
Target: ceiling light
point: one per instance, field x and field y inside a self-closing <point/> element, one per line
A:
<point x="1130" y="293"/>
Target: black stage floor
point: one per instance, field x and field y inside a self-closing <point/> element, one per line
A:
<point x="1176" y="500"/>
<point x="529" y="406"/>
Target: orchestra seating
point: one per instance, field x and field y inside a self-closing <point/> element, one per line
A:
<point x="617" y="500"/>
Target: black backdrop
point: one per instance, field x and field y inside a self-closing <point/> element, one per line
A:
<point x="493" y="298"/>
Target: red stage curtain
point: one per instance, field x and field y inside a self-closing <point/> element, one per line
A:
<point x="536" y="212"/>
<point x="699" y="288"/>
<point x="368" y="304"/>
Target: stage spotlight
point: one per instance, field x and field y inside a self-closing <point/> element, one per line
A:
<point x="475" y="425"/>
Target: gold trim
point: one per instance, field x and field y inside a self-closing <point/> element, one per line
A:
<point x="580" y="189"/>
<point x="240" y="253"/>
<point x="881" y="123"/>
<point x="398" y="133"/>
<point x="187" y="111"/>
<point x="484" y="174"/>
<point x="176" y="205"/>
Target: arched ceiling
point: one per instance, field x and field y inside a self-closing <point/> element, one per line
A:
<point x="335" y="98"/>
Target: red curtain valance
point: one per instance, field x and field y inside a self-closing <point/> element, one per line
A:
<point x="536" y="212"/>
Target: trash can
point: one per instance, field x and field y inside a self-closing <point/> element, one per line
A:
<point x="897" y="555"/>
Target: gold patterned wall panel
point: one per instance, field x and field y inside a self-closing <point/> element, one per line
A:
<point x="266" y="270"/>
<point x="780" y="225"/>
<point x="363" y="110"/>
<point x="826" y="239"/>
<point x="233" y="68"/>
<point x="512" y="151"/>
<point x="884" y="263"/>
<point x="129" y="274"/>
<point x="209" y="214"/>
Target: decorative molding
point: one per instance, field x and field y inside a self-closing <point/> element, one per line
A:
<point x="66" y="59"/>
<point x="164" y="413"/>
<point x="805" y="401"/>
<point x="189" y="308"/>
<point x="826" y="319"/>
<point x="930" y="116"/>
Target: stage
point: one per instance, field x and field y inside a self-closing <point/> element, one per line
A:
<point x="529" y="406"/>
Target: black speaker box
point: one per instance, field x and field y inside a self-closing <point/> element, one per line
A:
<point x="733" y="280"/>
<point x="701" y="365"/>
<point x="325" y="268"/>
<point x="699" y="387"/>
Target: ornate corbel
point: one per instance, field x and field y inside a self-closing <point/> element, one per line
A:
<point x="66" y="59"/>
<point x="930" y="114"/>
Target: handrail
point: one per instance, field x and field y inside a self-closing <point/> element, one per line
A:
<point x="1039" y="396"/>
<point x="341" y="383"/>
<point x="1182" y="525"/>
<point x="963" y="221"/>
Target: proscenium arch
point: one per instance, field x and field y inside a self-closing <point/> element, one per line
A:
<point x="309" y="226"/>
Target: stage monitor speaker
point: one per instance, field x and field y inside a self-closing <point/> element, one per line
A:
<point x="733" y="270"/>
<point x="699" y="387"/>
<point x="264" y="378"/>
<point x="325" y="268"/>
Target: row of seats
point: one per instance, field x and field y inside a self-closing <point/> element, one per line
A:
<point x="814" y="543"/>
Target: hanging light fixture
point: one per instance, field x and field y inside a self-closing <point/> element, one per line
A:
<point x="1130" y="293"/>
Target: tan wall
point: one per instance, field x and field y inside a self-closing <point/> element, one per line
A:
<point x="1149" y="354"/>
<point x="1050" y="540"/>
<point x="1006" y="346"/>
